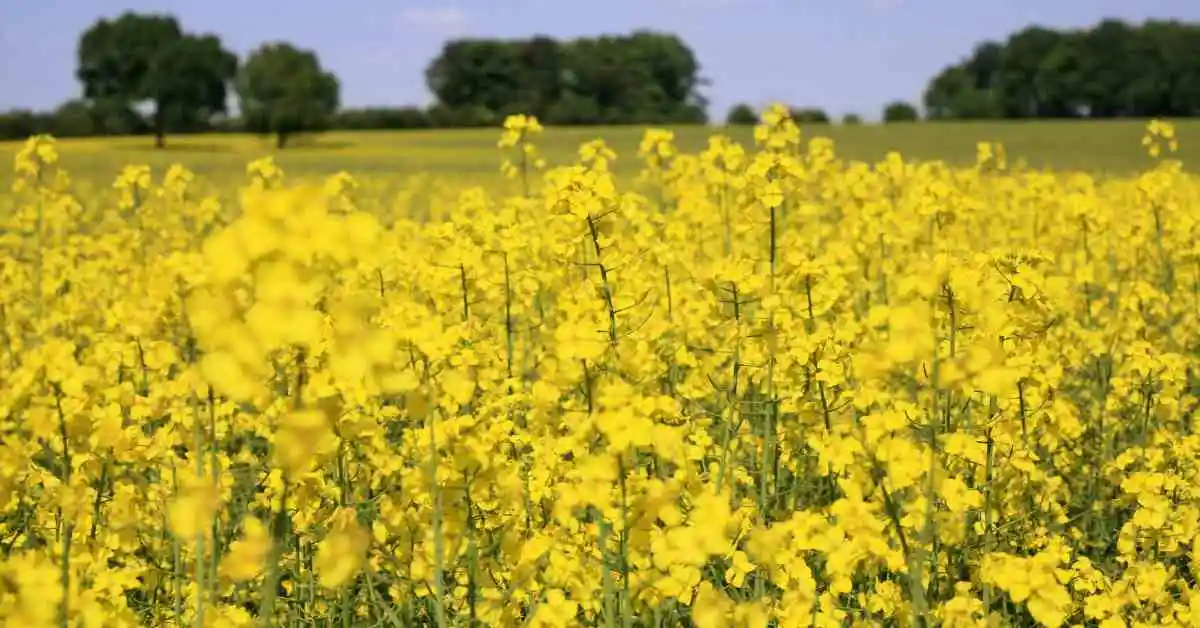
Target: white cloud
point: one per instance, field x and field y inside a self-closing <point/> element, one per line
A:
<point x="450" y="21"/>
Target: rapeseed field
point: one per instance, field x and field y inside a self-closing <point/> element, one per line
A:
<point x="753" y="386"/>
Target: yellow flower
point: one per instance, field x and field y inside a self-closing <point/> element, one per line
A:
<point x="555" y="610"/>
<point x="712" y="609"/>
<point x="739" y="567"/>
<point x="229" y="376"/>
<point x="247" y="556"/>
<point x="192" y="511"/>
<point x="600" y="381"/>
<point x="303" y="437"/>
<point x="32" y="591"/>
<point x="341" y="554"/>
<point x="517" y="128"/>
<point x="771" y="195"/>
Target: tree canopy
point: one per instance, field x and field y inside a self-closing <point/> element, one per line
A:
<point x="144" y="73"/>
<point x="139" y="58"/>
<point x="741" y="114"/>
<point x="283" y="90"/>
<point x="900" y="111"/>
<point x="810" y="115"/>
<point x="645" y="77"/>
<point x="1114" y="69"/>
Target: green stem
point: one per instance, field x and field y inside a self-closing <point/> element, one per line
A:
<point x="68" y="523"/>
<point x="438" y="541"/>
<point x="605" y="285"/>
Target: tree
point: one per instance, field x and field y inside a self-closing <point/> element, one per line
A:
<point x="645" y="77"/>
<point x="74" y="119"/>
<point x="1108" y="68"/>
<point x="19" y="124"/>
<point x="540" y="60"/>
<point x="382" y="118"/>
<point x="573" y="108"/>
<point x="1113" y="69"/>
<point x="967" y="90"/>
<point x="468" y="116"/>
<point x="1024" y="89"/>
<point x="139" y="58"/>
<point x="810" y="115"/>
<point x="900" y="111"/>
<point x="952" y="94"/>
<point x="478" y="74"/>
<point x="114" y="117"/>
<point x="283" y="90"/>
<point x="670" y="90"/>
<point x="851" y="119"/>
<point x="188" y="82"/>
<point x="741" y="114"/>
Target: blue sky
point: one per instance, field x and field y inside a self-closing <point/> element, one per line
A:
<point x="842" y="55"/>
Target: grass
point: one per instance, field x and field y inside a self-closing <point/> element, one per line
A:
<point x="1094" y="146"/>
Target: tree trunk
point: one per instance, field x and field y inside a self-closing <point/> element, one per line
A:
<point x="280" y="140"/>
<point x="160" y="125"/>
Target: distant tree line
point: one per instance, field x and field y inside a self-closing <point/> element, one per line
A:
<point x="642" y="78"/>
<point x="896" y="111"/>
<point x="84" y="118"/>
<point x="1114" y="69"/>
<point x="142" y="74"/>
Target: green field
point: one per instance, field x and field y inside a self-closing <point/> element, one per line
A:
<point x="1094" y="146"/>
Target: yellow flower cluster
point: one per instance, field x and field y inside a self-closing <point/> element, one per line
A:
<point x="748" y="387"/>
<point x="1160" y="133"/>
<point x="519" y="131"/>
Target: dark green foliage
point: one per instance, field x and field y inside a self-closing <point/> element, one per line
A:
<point x="189" y="80"/>
<point x="382" y="118"/>
<point x="899" y="111"/>
<point x="74" y="118"/>
<point x="810" y="115"/>
<point x="642" y="78"/>
<point x="467" y="116"/>
<point x="1114" y="69"/>
<point x="228" y="124"/>
<point x="283" y="91"/>
<point x="21" y="123"/>
<point x="851" y="119"/>
<point x="113" y="117"/>
<point x="148" y="62"/>
<point x="741" y="114"/>
<point x="148" y="58"/>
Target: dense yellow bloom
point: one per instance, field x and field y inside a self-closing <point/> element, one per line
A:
<point x="30" y="591"/>
<point x="752" y="386"/>
<point x="341" y="553"/>
<point x="302" y="438"/>
<point x="38" y="152"/>
<point x="133" y="184"/>
<point x="247" y="556"/>
<point x="517" y="128"/>
<point x="519" y="131"/>
<point x="192" y="511"/>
